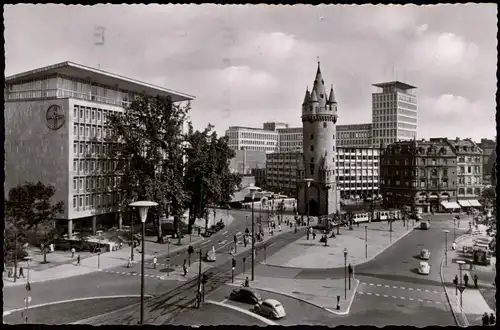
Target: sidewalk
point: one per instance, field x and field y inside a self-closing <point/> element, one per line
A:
<point x="473" y="302"/>
<point x="321" y="293"/>
<point x="311" y="253"/>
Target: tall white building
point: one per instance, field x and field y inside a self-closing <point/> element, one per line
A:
<point x="253" y="139"/>
<point x="290" y="139"/>
<point x="354" y="135"/>
<point x="394" y="113"/>
<point x="55" y="129"/>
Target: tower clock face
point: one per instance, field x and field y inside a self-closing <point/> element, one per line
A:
<point x="55" y="117"/>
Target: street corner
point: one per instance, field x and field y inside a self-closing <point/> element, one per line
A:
<point x="345" y="307"/>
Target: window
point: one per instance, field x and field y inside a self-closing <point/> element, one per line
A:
<point x="81" y="131"/>
<point x="80" y="187"/>
<point x="312" y="148"/>
<point x="461" y="191"/>
<point x="324" y="124"/>
<point x="81" y="148"/>
<point x="87" y="200"/>
<point x="75" y="205"/>
<point x="81" y="114"/>
<point x="75" y="130"/>
<point x="98" y="132"/>
<point x="469" y="169"/>
<point x="93" y="114"/>
<point x="87" y="131"/>
<point x="99" y="115"/>
<point x="75" y="148"/>
<point x="87" y="114"/>
<point x="74" y="184"/>
<point x="75" y="165"/>
<point x="93" y="131"/>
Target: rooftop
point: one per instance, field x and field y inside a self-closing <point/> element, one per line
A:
<point x="83" y="72"/>
<point x="396" y="84"/>
<point x="348" y="127"/>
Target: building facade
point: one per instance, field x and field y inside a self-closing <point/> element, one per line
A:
<point x="394" y="113"/>
<point x="290" y="139"/>
<point x="489" y="157"/>
<point x="244" y="161"/>
<point x="418" y="174"/>
<point x="252" y="139"/>
<point x="55" y="130"/>
<point x="355" y="136"/>
<point x="282" y="172"/>
<point x="469" y="169"/>
<point x="357" y="172"/>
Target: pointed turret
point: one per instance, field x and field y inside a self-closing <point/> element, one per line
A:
<point x="319" y="86"/>
<point x="314" y="96"/>
<point x="307" y="97"/>
<point x="331" y="99"/>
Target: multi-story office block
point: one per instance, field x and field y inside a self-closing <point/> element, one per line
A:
<point x="253" y="139"/>
<point x="358" y="172"/>
<point x="281" y="172"/>
<point x="469" y="171"/>
<point x="394" y="113"/>
<point x="419" y="174"/>
<point x="55" y="130"/>
<point x="290" y="139"/>
<point x="356" y="136"/>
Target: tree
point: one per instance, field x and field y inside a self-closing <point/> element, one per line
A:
<point x="29" y="211"/>
<point x="208" y="180"/>
<point x="147" y="141"/>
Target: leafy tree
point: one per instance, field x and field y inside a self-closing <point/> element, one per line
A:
<point x="208" y="180"/>
<point x="147" y="142"/>
<point x="489" y="195"/>
<point x="29" y="210"/>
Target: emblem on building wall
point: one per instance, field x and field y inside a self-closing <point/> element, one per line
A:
<point x="55" y="117"/>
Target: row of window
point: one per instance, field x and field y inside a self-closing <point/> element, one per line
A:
<point x="88" y="114"/>
<point x="90" y="131"/>
<point x="95" y="182"/>
<point x="469" y="159"/>
<point x="471" y="180"/>
<point x="408" y="126"/>
<point x="423" y="183"/>
<point x="469" y="191"/>
<point x="475" y="169"/>
<point x="355" y="143"/>
<point x="95" y="201"/>
<point x="352" y="135"/>
<point x="92" y="148"/>
<point x="94" y="165"/>
<point x="356" y="178"/>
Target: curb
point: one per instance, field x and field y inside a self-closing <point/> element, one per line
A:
<point x="455" y="316"/>
<point x="6" y="313"/>
<point x="342" y="267"/>
<point x="308" y="302"/>
<point x="244" y="311"/>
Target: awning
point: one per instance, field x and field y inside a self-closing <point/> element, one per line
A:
<point x="453" y="205"/>
<point x="446" y="205"/>
<point x="464" y="203"/>
<point x="474" y="202"/>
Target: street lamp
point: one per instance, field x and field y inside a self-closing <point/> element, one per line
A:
<point x="366" y="242"/>
<point x="308" y="183"/>
<point x="28" y="289"/>
<point x="446" y="248"/>
<point x="454" y="229"/>
<point x="461" y="286"/>
<point x="345" y="273"/>
<point x="143" y="214"/>
<point x="99" y="252"/>
<point x="252" y="191"/>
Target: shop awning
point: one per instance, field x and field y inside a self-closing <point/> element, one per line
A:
<point x="446" y="205"/>
<point x="464" y="203"/>
<point x="474" y="202"/>
<point x="453" y="205"/>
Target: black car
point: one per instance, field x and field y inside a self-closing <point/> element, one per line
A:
<point x="207" y="233"/>
<point x="245" y="295"/>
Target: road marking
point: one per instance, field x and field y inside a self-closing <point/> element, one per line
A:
<point x="377" y="294"/>
<point x="224" y="301"/>
<point x="387" y="286"/>
<point x="427" y="290"/>
<point x="238" y="233"/>
<point x="419" y="289"/>
<point x="411" y="298"/>
<point x="372" y="284"/>
<point x="222" y="242"/>
<point x="394" y="297"/>
<point x="369" y="293"/>
<point x="394" y="287"/>
<point x="241" y="310"/>
<point x="386" y="296"/>
<point x="402" y="287"/>
<point x="437" y="302"/>
<point x="420" y="300"/>
<point x="224" y="233"/>
<point x="379" y="284"/>
<point x="411" y="289"/>
<point x="361" y="292"/>
<point x="435" y="291"/>
<point x="402" y="298"/>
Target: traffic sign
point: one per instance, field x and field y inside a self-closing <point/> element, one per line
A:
<point x="461" y="288"/>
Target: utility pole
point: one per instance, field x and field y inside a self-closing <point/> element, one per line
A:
<point x="198" y="294"/>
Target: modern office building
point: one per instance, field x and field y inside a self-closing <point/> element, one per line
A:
<point x="253" y="139"/>
<point x="355" y="136"/>
<point x="356" y="172"/>
<point x="489" y="159"/>
<point x="290" y="139"/>
<point x="394" y="113"/>
<point x="55" y="125"/>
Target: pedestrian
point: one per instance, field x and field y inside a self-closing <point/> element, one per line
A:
<point x="247" y="282"/>
<point x="155" y="260"/>
<point x="245" y="241"/>
<point x="475" y="280"/>
<point x="485" y="319"/>
<point x="279" y="227"/>
<point x="492" y="319"/>
<point x="466" y="279"/>
<point x="129" y="262"/>
<point x="454" y="246"/>
<point x="314" y="235"/>
<point x="72" y="252"/>
<point x="21" y="272"/>
<point x="78" y="260"/>
<point x="184" y="267"/>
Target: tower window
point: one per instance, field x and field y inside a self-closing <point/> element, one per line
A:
<point x="312" y="136"/>
<point x="312" y="159"/>
<point x="312" y="148"/>
<point x="324" y="124"/>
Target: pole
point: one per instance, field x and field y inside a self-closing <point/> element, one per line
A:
<point x="99" y="254"/>
<point x="345" y="276"/>
<point x="390" y="230"/>
<point x="15" y="254"/>
<point x="308" y="207"/>
<point x="232" y="274"/>
<point x="198" y="294"/>
<point x="454" y="232"/>
<point x="132" y="238"/>
<point x="142" y="272"/>
<point x="366" y="242"/>
<point x="253" y="242"/>
<point x="446" y="249"/>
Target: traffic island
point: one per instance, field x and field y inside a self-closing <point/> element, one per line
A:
<point x="362" y="244"/>
<point x="334" y="296"/>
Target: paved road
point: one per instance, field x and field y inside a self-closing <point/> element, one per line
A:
<point x="298" y="312"/>
<point x="391" y="290"/>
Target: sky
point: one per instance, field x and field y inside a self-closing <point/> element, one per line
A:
<point x="251" y="64"/>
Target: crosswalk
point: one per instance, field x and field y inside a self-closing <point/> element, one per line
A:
<point x="396" y="292"/>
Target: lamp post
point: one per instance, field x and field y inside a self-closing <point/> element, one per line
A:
<point x="143" y="214"/>
<point x="454" y="229"/>
<point x="252" y="191"/>
<point x="446" y="248"/>
<point x="132" y="237"/>
<point x="366" y="242"/>
<point x="345" y="274"/>
<point x="308" y="182"/>
<point x="461" y="287"/>
<point x="99" y="252"/>
<point x="28" y="289"/>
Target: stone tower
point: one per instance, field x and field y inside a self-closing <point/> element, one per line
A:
<point x="319" y="117"/>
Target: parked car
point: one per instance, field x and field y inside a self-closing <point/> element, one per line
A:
<point x="425" y="225"/>
<point x="425" y="254"/>
<point x="207" y="233"/>
<point x="424" y="268"/>
<point x="270" y="308"/>
<point x="245" y="295"/>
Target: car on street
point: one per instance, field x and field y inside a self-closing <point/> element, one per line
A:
<point x="425" y="225"/>
<point x="246" y="295"/>
<point x="210" y="257"/>
<point x="424" y="268"/>
<point x="270" y="308"/>
<point x="425" y="254"/>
